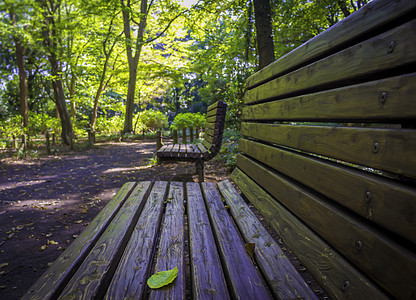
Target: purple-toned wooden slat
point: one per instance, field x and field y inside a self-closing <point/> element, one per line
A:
<point x="95" y="271"/>
<point x="208" y="280"/>
<point x="130" y="278"/>
<point x="245" y="280"/>
<point x="171" y="247"/>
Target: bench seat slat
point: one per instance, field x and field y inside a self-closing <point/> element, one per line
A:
<point x="285" y="281"/>
<point x="171" y="247"/>
<point x="354" y="145"/>
<point x="358" y="102"/>
<point x="328" y="267"/>
<point x="344" y="185"/>
<point x="344" y="231"/>
<point x="244" y="278"/>
<point x="130" y="278"/>
<point x="370" y="17"/>
<point x="348" y="64"/>
<point x="50" y="284"/>
<point x="85" y="283"/>
<point x="206" y="272"/>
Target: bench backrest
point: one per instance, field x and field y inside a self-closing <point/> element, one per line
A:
<point x="328" y="154"/>
<point x="214" y="128"/>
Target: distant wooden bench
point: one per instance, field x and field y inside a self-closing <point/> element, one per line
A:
<point x="328" y="158"/>
<point x="201" y="152"/>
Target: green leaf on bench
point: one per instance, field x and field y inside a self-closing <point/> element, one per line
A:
<point x="162" y="278"/>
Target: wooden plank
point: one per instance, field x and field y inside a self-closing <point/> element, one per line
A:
<point x="372" y="147"/>
<point x="182" y="150"/>
<point x="97" y="267"/>
<point x="330" y="269"/>
<point x="387" y="99"/>
<point x="207" y="277"/>
<point x="207" y="145"/>
<point x="370" y="17"/>
<point x="369" y="249"/>
<point x="175" y="151"/>
<point x="171" y="246"/>
<point x="348" y="64"/>
<point x="130" y="278"/>
<point x="195" y="150"/>
<point x="244" y="280"/>
<point x="165" y="151"/>
<point x="204" y="151"/>
<point x="52" y="282"/>
<point x="284" y="280"/>
<point x="382" y="201"/>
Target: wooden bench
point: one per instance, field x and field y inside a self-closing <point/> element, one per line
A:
<point x="201" y="152"/>
<point x="328" y="159"/>
<point x="329" y="152"/>
<point x="143" y="231"/>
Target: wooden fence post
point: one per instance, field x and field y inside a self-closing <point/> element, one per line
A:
<point x="48" y="144"/>
<point x="159" y="142"/>
<point x="24" y="142"/>
<point x="175" y="136"/>
<point x="14" y="142"/>
<point x="191" y="134"/>
<point x="184" y="135"/>
<point x="53" y="139"/>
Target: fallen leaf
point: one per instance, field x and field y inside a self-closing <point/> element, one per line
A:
<point x="78" y="222"/>
<point x="162" y="278"/>
<point x="50" y="242"/>
<point x="43" y="247"/>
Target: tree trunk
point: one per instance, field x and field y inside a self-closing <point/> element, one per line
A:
<point x="22" y="75"/>
<point x="50" y="35"/>
<point x="263" y="21"/>
<point x="132" y="60"/>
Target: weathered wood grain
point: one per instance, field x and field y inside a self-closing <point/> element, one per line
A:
<point x="370" y="17"/>
<point x="207" y="277"/>
<point x="332" y="271"/>
<point x="368" y="248"/>
<point x="244" y="280"/>
<point x="96" y="268"/>
<point x="170" y="253"/>
<point x="389" y="204"/>
<point x="52" y="282"/>
<point x="204" y="151"/>
<point x="371" y="147"/>
<point x="284" y="280"/>
<point x="360" y="60"/>
<point x="384" y="100"/>
<point x="130" y="278"/>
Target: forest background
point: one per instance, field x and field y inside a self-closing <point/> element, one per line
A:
<point x="70" y="67"/>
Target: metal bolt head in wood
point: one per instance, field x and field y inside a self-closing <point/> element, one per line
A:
<point x="376" y="147"/>
<point x="391" y="47"/>
<point x="382" y="98"/>
<point x="358" y="245"/>
<point x="345" y="285"/>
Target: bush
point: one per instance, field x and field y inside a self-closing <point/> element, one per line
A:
<point x="186" y="120"/>
<point x="153" y="120"/>
<point x="109" y="125"/>
<point x="229" y="148"/>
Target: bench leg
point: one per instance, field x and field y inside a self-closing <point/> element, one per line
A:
<point x="200" y="170"/>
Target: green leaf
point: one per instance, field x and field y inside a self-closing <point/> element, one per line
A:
<point x="162" y="278"/>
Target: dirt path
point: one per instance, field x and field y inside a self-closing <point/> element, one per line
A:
<point x="47" y="202"/>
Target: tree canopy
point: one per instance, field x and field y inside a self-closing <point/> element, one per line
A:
<point x="89" y="61"/>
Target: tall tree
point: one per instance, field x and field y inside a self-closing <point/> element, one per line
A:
<point x="20" y="59"/>
<point x="133" y="53"/>
<point x="263" y="21"/>
<point x="50" y="11"/>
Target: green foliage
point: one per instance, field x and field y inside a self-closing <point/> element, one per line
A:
<point x="109" y="125"/>
<point x="229" y="147"/>
<point x="187" y="120"/>
<point x="153" y="120"/>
